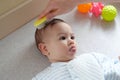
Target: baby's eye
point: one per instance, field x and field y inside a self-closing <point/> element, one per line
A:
<point x="62" y="38"/>
<point x="72" y="37"/>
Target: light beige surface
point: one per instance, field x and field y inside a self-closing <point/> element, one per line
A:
<point x="20" y="59"/>
<point x="18" y="15"/>
<point x="7" y="5"/>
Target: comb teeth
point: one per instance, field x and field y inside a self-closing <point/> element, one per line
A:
<point x="39" y="21"/>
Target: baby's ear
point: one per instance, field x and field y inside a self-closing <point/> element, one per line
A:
<point x="42" y="47"/>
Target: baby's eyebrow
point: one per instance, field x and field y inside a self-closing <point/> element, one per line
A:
<point x="61" y="34"/>
<point x="64" y="34"/>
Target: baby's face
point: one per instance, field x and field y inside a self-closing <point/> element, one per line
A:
<point x="60" y="42"/>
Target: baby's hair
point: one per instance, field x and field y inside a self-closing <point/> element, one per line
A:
<point x="39" y="32"/>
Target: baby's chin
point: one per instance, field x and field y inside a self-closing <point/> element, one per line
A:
<point x="68" y="58"/>
<point x="72" y="56"/>
<point x="72" y="53"/>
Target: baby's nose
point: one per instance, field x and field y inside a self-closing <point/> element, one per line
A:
<point x="71" y="41"/>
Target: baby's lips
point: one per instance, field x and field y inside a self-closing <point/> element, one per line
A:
<point x="72" y="49"/>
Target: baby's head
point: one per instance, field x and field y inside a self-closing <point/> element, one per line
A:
<point x="56" y="40"/>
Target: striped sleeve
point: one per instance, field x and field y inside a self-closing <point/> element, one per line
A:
<point x="86" y="67"/>
<point x="110" y="66"/>
<point x="58" y="72"/>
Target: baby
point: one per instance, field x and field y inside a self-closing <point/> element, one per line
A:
<point x="56" y="41"/>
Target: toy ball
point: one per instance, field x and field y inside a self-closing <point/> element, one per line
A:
<point x="109" y="12"/>
<point x="84" y="8"/>
<point x="96" y="9"/>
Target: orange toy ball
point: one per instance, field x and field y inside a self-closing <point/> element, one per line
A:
<point x="84" y="8"/>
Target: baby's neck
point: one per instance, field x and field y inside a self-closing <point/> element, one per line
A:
<point x="52" y="61"/>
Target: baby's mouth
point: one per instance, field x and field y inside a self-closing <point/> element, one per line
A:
<point x="72" y="50"/>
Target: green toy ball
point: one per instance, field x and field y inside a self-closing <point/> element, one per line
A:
<point x="109" y="12"/>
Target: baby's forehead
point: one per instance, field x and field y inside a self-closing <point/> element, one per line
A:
<point x="54" y="26"/>
<point x="58" y="27"/>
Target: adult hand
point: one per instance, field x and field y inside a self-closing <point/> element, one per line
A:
<point x="57" y="7"/>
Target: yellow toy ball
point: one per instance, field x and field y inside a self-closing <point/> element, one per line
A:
<point x="109" y="12"/>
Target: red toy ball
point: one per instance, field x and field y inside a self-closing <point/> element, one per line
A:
<point x="96" y="9"/>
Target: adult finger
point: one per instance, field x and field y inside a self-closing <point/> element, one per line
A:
<point x="48" y="8"/>
<point x="52" y="13"/>
<point x="45" y="12"/>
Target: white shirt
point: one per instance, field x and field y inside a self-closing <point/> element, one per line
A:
<point x="90" y="66"/>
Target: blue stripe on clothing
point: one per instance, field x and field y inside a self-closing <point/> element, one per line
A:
<point x="90" y="66"/>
